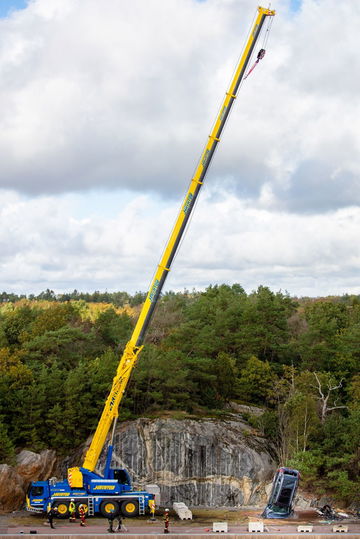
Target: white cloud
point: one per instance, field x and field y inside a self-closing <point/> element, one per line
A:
<point x="105" y="108"/>
<point x="44" y="246"/>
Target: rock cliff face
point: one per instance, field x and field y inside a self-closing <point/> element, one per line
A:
<point x="15" y="480"/>
<point x="202" y="463"/>
<point x="12" y="489"/>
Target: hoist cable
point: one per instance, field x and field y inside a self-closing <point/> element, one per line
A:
<point x="262" y="51"/>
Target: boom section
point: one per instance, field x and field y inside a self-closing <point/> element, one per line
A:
<point x="134" y="346"/>
<point x="196" y="183"/>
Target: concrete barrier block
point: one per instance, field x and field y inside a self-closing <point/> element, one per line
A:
<point x="182" y="514"/>
<point x="220" y="527"/>
<point x="305" y="528"/>
<point x="256" y="526"/>
<point x="182" y="510"/>
<point x="179" y="505"/>
<point x="340" y="528"/>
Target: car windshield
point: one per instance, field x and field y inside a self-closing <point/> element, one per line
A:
<point x="285" y="496"/>
<point x="279" y="509"/>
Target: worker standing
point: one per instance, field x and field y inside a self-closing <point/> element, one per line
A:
<point x="72" y="510"/>
<point x="82" y="515"/>
<point x="111" y="517"/>
<point x="166" y="521"/>
<point x="48" y="509"/>
<point x="51" y="512"/>
<point x="118" y="524"/>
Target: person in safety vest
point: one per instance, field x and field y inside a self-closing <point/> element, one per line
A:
<point x="166" y="521"/>
<point x="72" y="510"/>
<point x="82" y="514"/>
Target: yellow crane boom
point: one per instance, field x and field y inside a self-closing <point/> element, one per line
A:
<point x="134" y="346"/>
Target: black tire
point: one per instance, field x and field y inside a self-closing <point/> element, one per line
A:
<point x="110" y="507"/>
<point x="62" y="509"/>
<point x="130" y="508"/>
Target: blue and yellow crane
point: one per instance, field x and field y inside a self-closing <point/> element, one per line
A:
<point x="111" y="493"/>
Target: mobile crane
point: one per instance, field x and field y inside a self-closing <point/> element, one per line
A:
<point x="111" y="493"/>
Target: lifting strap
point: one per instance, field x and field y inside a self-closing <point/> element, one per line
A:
<point x="260" y="56"/>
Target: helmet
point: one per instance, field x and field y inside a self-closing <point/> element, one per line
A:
<point x="166" y="510"/>
<point x="72" y="499"/>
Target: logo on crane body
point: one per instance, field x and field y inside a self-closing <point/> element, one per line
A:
<point x="112" y="402"/>
<point x="204" y="161"/>
<point x="187" y="202"/>
<point x="153" y="290"/>
<point x="222" y="113"/>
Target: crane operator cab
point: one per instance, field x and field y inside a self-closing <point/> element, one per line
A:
<point x="121" y="475"/>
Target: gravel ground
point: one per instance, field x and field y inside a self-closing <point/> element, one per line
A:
<point x="22" y="522"/>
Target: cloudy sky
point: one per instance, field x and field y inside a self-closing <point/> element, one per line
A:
<point x="105" y="108"/>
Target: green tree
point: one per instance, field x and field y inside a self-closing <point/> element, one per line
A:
<point x="296" y="414"/>
<point x="65" y="346"/>
<point x="18" y="321"/>
<point x="211" y="323"/>
<point x="256" y="380"/>
<point x="52" y="318"/>
<point x="7" y="450"/>
<point x="113" y="328"/>
<point x="226" y="374"/>
<point x="264" y="331"/>
<point x="160" y="381"/>
<point x="320" y="345"/>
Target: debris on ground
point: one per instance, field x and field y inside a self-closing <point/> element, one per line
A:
<point x="331" y="514"/>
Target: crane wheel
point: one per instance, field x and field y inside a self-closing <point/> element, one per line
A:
<point x="62" y="509"/>
<point x="85" y="506"/>
<point x="130" y="508"/>
<point x="110" y="507"/>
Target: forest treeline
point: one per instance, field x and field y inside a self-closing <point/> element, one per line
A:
<point x="296" y="359"/>
<point x="118" y="299"/>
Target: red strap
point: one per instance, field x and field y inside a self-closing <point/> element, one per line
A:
<point x="252" y="69"/>
<point x="260" y="56"/>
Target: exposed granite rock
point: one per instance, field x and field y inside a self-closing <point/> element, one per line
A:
<point x="36" y="466"/>
<point x="206" y="462"/>
<point x="245" y="409"/>
<point x="304" y="500"/>
<point x="12" y="489"/>
<point x="14" y="481"/>
<point x="202" y="463"/>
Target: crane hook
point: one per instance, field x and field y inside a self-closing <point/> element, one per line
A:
<point x="259" y="57"/>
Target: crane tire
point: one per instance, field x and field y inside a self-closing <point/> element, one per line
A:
<point x="110" y="507"/>
<point x="62" y="509"/>
<point x="130" y="508"/>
